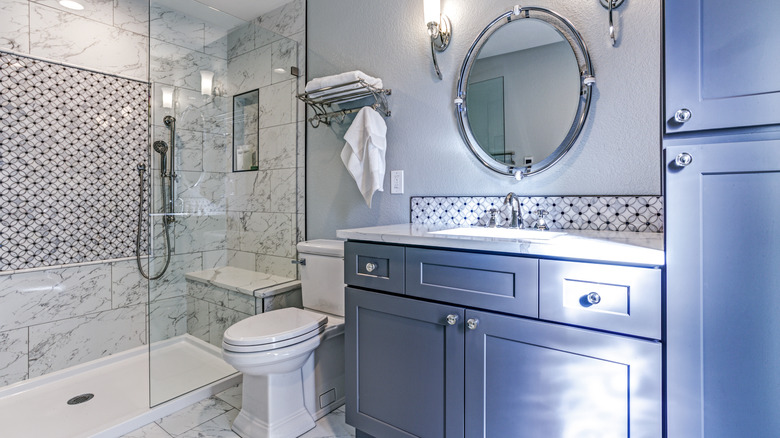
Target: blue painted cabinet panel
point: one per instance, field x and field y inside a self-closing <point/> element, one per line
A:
<point x="721" y="63"/>
<point x="404" y="366"/>
<point x="723" y="290"/>
<point x="536" y="379"/>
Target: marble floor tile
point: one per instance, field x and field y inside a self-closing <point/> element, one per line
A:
<point x="212" y="418"/>
<point x="149" y="431"/>
<point x="232" y="396"/>
<point x="218" y="427"/>
<point x="195" y="415"/>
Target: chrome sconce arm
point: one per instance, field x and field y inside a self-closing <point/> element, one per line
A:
<point x="439" y="30"/>
<point x="440" y="34"/>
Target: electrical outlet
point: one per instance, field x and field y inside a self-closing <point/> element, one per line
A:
<point x="397" y="182"/>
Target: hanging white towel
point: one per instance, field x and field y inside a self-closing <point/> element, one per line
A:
<point x="364" y="152"/>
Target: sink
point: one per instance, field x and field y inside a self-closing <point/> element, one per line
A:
<point x="500" y="233"/>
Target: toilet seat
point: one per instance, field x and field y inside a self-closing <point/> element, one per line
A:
<point x="273" y="330"/>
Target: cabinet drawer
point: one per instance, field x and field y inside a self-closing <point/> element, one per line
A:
<point x="616" y="298"/>
<point x="374" y="266"/>
<point x="504" y="283"/>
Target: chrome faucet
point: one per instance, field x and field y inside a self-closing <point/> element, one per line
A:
<point x="516" y="221"/>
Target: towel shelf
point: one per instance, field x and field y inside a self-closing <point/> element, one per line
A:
<point x="322" y="99"/>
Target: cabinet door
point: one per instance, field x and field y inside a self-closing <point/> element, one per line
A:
<point x="721" y="63"/>
<point x="527" y="378"/>
<point x="723" y="290"/>
<point x="404" y="366"/>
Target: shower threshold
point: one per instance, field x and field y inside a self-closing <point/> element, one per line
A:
<point x="119" y="384"/>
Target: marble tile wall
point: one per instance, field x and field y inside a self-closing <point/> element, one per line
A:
<point x="56" y="318"/>
<point x="265" y="208"/>
<point x="59" y="317"/>
<point x="107" y="36"/>
<point x="212" y="309"/>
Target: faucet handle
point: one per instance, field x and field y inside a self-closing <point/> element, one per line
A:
<point x="492" y="221"/>
<point x="541" y="223"/>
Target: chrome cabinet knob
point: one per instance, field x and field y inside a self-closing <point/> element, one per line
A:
<point x="371" y="266"/>
<point x="683" y="159"/>
<point x="682" y="115"/>
<point x="594" y="298"/>
<point x="452" y="319"/>
<point x="471" y="323"/>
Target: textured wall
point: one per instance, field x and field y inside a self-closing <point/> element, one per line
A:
<point x="618" y="151"/>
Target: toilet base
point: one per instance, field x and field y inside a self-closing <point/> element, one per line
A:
<point x="286" y="417"/>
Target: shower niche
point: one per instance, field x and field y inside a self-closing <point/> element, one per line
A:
<point x="245" y="131"/>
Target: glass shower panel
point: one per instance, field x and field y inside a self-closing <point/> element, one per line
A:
<point x="200" y="59"/>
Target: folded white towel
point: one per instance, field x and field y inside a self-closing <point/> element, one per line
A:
<point x="350" y="76"/>
<point x="364" y="152"/>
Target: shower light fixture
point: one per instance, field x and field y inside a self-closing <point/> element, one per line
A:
<point x="439" y="29"/>
<point x="206" y="81"/>
<point x="167" y="97"/>
<point x="70" y="4"/>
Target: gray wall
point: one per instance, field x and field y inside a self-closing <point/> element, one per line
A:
<point x="618" y="151"/>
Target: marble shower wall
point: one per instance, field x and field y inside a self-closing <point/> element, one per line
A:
<point x="56" y="318"/>
<point x="66" y="314"/>
<point x="244" y="219"/>
<point x="107" y="36"/>
<point x="265" y="207"/>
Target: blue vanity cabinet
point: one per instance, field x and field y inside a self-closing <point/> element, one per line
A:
<point x="404" y="366"/>
<point x="721" y="63"/>
<point x="536" y="379"/>
<point x="723" y="289"/>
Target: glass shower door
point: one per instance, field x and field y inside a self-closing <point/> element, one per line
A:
<point x="230" y="190"/>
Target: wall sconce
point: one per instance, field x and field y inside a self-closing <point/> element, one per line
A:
<point x="206" y="81"/>
<point x="439" y="29"/>
<point x="167" y="97"/>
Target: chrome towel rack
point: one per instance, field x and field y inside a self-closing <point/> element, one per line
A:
<point x="323" y="99"/>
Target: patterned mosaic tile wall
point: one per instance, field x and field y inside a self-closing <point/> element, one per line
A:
<point x="613" y="213"/>
<point x="70" y="144"/>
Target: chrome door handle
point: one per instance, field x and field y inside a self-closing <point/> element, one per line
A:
<point x="452" y="319"/>
<point x="472" y="323"/>
<point x="370" y="267"/>
<point x="683" y="159"/>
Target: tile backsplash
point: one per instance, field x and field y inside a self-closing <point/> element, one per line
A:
<point x="613" y="213"/>
<point x="70" y="144"/>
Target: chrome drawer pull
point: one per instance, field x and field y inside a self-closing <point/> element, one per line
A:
<point x="371" y="266"/>
<point x="471" y="323"/>
<point x="594" y="298"/>
<point x="452" y="319"/>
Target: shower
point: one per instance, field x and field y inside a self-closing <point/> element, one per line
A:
<point x="167" y="192"/>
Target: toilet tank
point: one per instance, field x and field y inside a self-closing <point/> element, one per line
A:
<point x="322" y="277"/>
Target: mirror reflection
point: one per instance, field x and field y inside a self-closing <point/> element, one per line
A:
<point x="523" y="92"/>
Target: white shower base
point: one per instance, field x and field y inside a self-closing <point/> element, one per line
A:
<point x="37" y="407"/>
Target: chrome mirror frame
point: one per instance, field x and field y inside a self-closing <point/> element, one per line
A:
<point x="587" y="79"/>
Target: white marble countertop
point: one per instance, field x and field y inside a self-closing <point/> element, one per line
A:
<point x="624" y="247"/>
<point x="254" y="283"/>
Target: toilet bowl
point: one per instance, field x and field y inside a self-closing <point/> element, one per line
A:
<point x="293" y="359"/>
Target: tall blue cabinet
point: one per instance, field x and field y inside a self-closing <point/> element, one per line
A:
<point x="721" y="64"/>
<point x="722" y="188"/>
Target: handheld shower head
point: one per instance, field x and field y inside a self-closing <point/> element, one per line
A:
<point x="160" y="147"/>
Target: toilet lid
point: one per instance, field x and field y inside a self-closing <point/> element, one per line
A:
<point x="275" y="327"/>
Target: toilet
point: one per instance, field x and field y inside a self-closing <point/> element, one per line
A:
<point x="293" y="359"/>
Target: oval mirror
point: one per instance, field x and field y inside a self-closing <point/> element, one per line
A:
<point x="524" y="91"/>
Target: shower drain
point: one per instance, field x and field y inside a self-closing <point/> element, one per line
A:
<point x="80" y="399"/>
